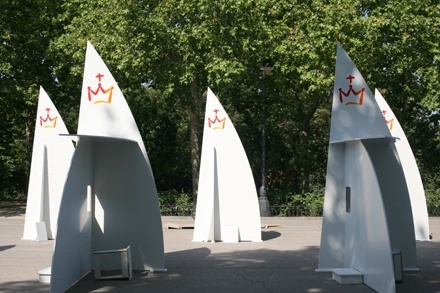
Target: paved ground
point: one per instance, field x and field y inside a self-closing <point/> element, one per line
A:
<point x="284" y="262"/>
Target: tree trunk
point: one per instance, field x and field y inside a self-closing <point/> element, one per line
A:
<point x="29" y="147"/>
<point x="305" y="182"/>
<point x="194" y="134"/>
<point x="194" y="147"/>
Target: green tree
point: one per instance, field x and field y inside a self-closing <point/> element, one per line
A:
<point x="112" y="27"/>
<point x="221" y="45"/>
<point x="402" y="58"/>
<point x="25" y="33"/>
<point x="200" y="44"/>
<point x="164" y="54"/>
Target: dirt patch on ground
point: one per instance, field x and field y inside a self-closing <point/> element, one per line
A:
<point x="13" y="208"/>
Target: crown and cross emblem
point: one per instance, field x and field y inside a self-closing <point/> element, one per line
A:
<point x="101" y="95"/>
<point x="216" y="123"/>
<point x="388" y="122"/>
<point x="48" y="122"/>
<point x="352" y="97"/>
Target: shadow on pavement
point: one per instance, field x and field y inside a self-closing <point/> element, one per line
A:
<point x="284" y="262"/>
<point x="6" y="247"/>
<point x="427" y="279"/>
<point x="263" y="270"/>
<point x="12" y="208"/>
<point x="23" y="286"/>
<point x="199" y="270"/>
<point x="268" y="235"/>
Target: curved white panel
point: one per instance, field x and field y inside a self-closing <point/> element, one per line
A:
<point x="395" y="198"/>
<point x="355" y="114"/>
<point x="367" y="242"/>
<point x="51" y="157"/>
<point x="72" y="256"/>
<point x="103" y="110"/>
<point x="412" y="174"/>
<point x="111" y="164"/>
<point x="367" y="211"/>
<point x="332" y="248"/>
<point x="227" y="195"/>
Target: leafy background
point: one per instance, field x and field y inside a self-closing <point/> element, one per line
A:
<point x="164" y="55"/>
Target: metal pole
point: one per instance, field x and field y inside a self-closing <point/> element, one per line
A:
<point x="262" y="200"/>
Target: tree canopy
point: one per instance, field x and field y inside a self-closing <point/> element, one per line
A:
<point x="164" y="55"/>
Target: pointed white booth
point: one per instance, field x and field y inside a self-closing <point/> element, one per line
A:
<point x="412" y="174"/>
<point x="227" y="203"/>
<point x="110" y="200"/>
<point x="51" y="156"/>
<point x="367" y="209"/>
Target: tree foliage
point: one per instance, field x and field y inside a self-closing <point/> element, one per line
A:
<point x="24" y="66"/>
<point x="164" y="55"/>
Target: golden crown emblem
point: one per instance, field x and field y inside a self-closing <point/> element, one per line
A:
<point x="48" y="122"/>
<point x="388" y="122"/>
<point x="103" y="95"/>
<point x="352" y="97"/>
<point x="216" y="123"/>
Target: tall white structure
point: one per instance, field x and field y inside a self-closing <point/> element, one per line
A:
<point x="51" y="156"/>
<point x="227" y="203"/>
<point x="367" y="208"/>
<point x="110" y="199"/>
<point x="412" y="174"/>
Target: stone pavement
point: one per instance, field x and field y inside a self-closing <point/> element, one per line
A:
<point x="284" y="262"/>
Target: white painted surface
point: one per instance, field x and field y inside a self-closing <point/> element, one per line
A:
<point x="72" y="256"/>
<point x="103" y="110"/>
<point x="230" y="234"/>
<point x="227" y="195"/>
<point x="353" y="121"/>
<point x="110" y="199"/>
<point x="44" y="275"/>
<point x="129" y="212"/>
<point x="41" y="231"/>
<point x="51" y="157"/>
<point x="395" y="198"/>
<point x="410" y="169"/>
<point x="367" y="241"/>
<point x="362" y="156"/>
<point x="332" y="248"/>
<point x="347" y="276"/>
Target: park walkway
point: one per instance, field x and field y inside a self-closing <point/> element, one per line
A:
<point x="284" y="262"/>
